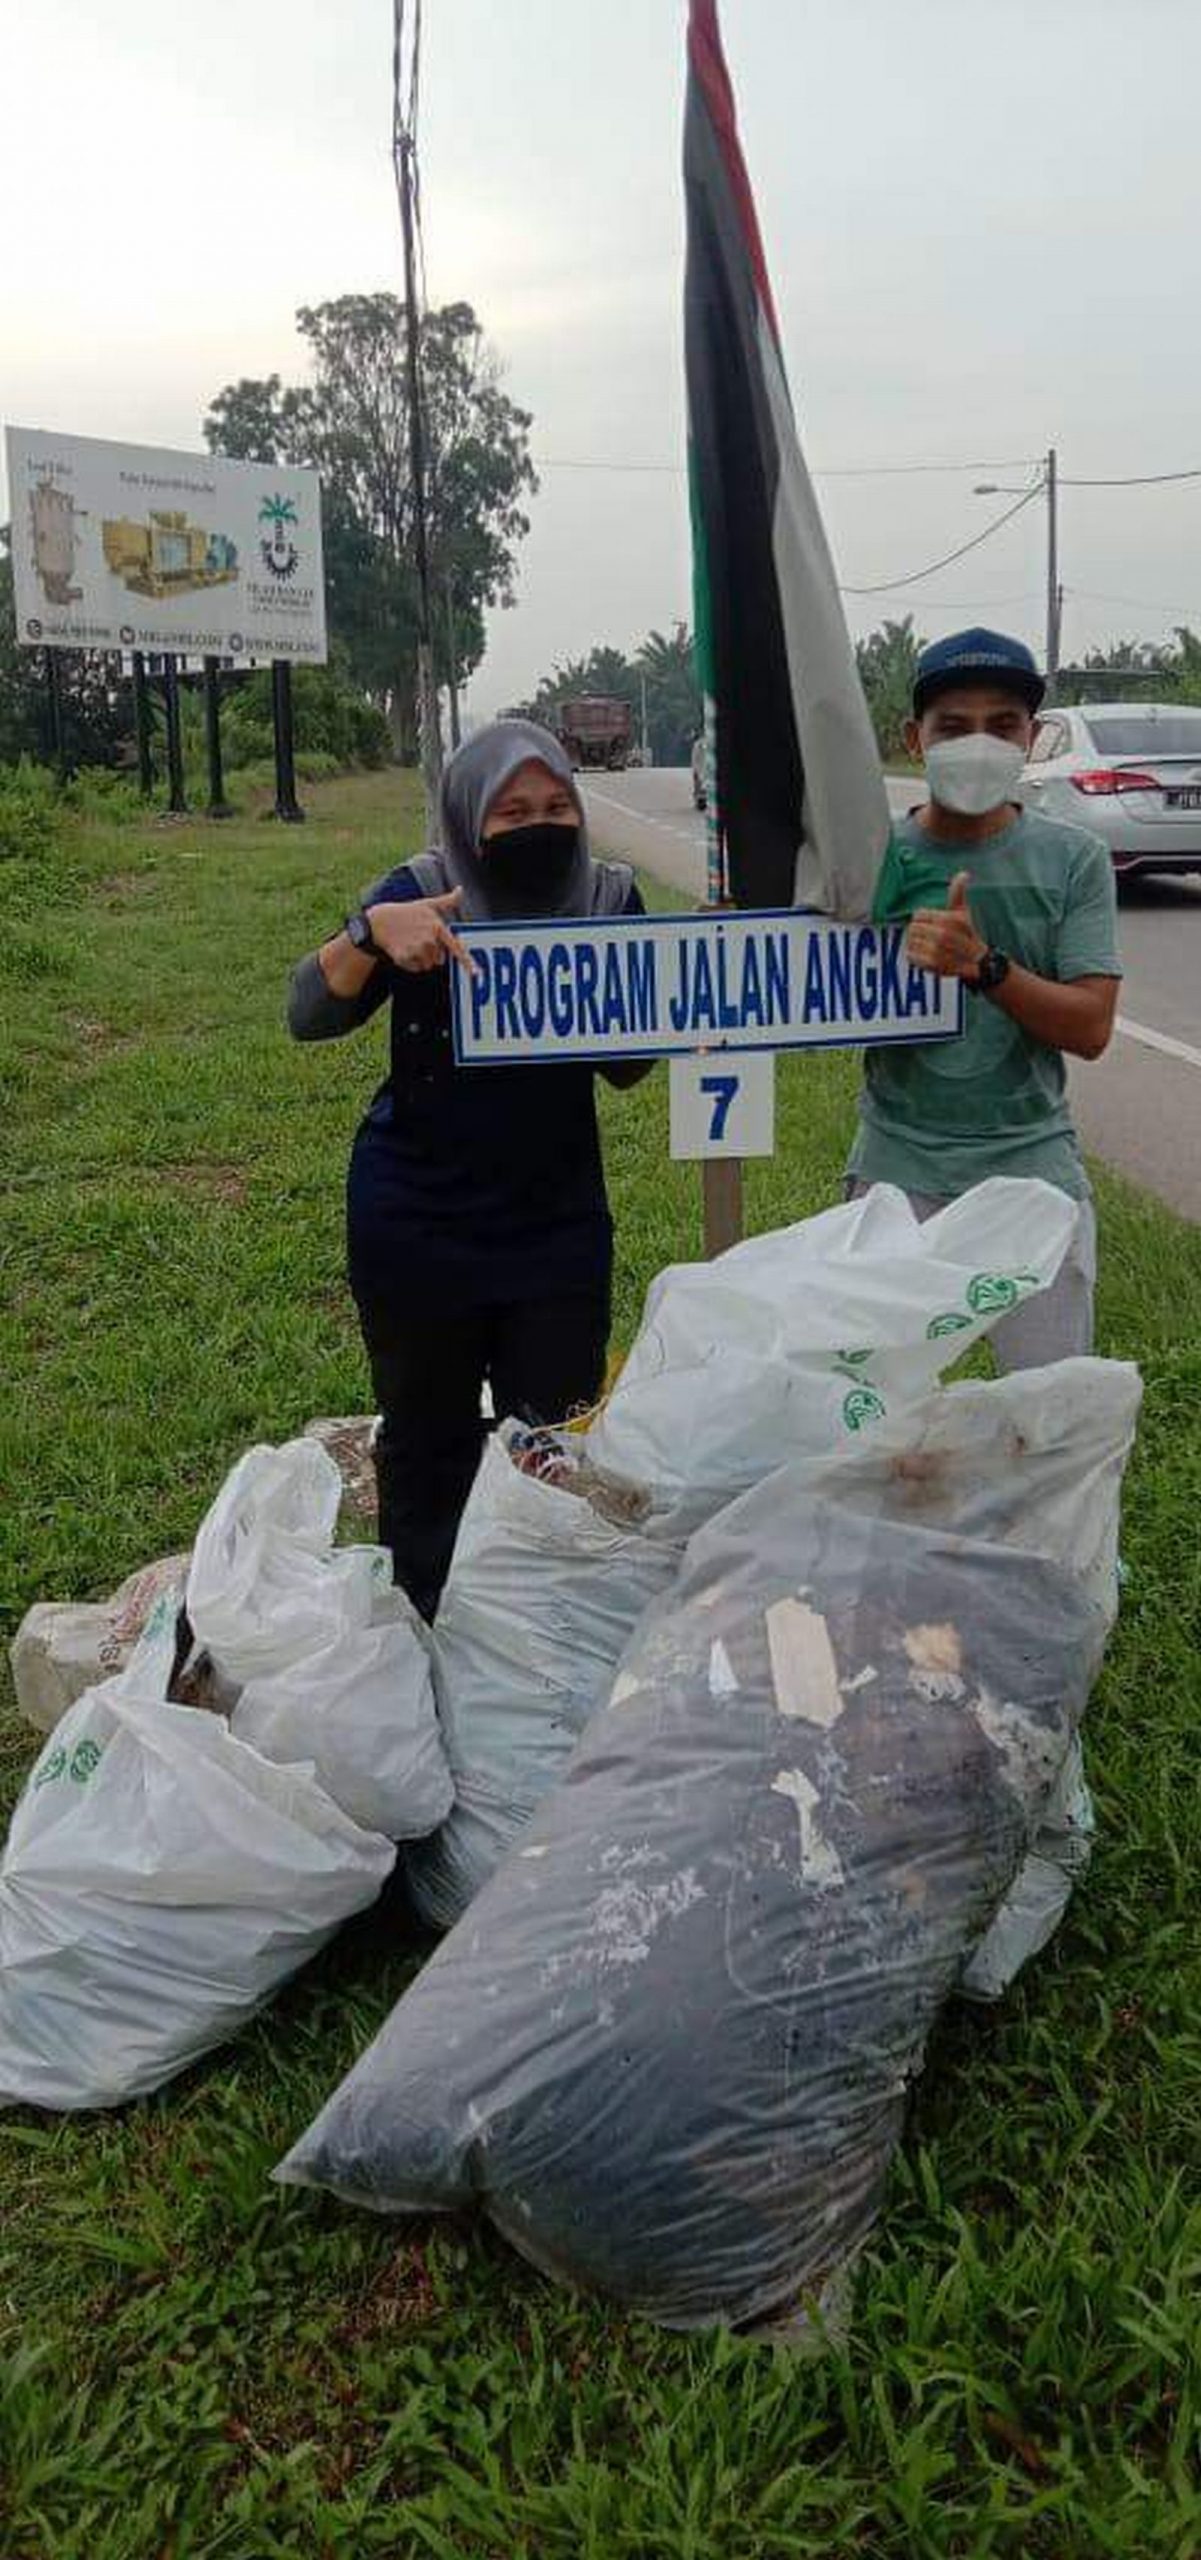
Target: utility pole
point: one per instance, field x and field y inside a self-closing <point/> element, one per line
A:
<point x="1049" y="483"/>
<point x="646" y="754"/>
<point x="1054" y="590"/>
<point x="403" y="158"/>
<point x="452" y="655"/>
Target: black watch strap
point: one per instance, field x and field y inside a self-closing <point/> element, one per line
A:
<point x="993" y="971"/>
<point x="358" y="931"/>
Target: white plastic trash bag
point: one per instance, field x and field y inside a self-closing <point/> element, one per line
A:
<point x="800" y="1341"/>
<point x="159" y="1882"/>
<point x="363" y="1711"/>
<point x="267" y="1586"/>
<point x="543" y="1591"/>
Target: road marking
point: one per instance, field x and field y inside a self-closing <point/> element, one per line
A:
<point x="630" y="809"/>
<point x="1158" y="1040"/>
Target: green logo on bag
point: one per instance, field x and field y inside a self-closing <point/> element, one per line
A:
<point x="862" y="1405"/>
<point x="54" y="1768"/>
<point x="83" y="1759"/>
<point x="989" y="1292"/>
<point x="854" y="1359"/>
<point x="951" y="1323"/>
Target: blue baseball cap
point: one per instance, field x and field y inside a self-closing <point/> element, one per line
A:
<point x="966" y="656"/>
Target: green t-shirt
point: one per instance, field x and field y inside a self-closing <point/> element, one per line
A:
<point x="942" y="1115"/>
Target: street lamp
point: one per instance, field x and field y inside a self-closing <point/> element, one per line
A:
<point x="1049" y="482"/>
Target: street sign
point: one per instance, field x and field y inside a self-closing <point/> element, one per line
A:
<point x="652" y="986"/>
<point x="723" y="1107"/>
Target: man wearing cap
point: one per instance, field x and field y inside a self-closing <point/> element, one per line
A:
<point x="1024" y="912"/>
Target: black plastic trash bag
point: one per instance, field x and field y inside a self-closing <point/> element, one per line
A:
<point x="668" y="2047"/>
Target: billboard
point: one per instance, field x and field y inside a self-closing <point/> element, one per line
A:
<point x="120" y="546"/>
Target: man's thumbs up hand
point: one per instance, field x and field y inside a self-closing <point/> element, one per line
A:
<point x="944" y="938"/>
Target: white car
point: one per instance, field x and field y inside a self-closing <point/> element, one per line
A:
<point x="1129" y="771"/>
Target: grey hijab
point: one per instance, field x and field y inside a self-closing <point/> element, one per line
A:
<point x="477" y="771"/>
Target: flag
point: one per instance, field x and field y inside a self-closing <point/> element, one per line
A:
<point x="797" y="810"/>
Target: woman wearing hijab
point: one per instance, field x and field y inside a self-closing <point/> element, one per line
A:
<point x="480" y="1240"/>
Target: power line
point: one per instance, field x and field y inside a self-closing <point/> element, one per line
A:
<point x="1135" y="480"/>
<point x="832" y="471"/>
<point x="884" y="586"/>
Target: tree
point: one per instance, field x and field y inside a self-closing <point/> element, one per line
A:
<point x="674" y="709"/>
<point x="887" y="663"/>
<point x="97" y="709"/>
<point x="350" y="422"/>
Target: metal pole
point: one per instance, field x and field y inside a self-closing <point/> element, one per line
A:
<point x="54" y="705"/>
<point x="427" y="697"/>
<point x="1053" y="587"/>
<point x="287" y="805"/>
<point x="176" y="802"/>
<point x="219" y="806"/>
<point x="453" y="661"/>
<point x="141" y="723"/>
<point x="645" y="742"/>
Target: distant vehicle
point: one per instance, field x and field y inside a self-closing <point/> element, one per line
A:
<point x="597" y="731"/>
<point x="1130" y="771"/>
<point x="699" y="796"/>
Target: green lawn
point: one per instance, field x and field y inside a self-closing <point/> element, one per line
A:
<point x="192" y="2363"/>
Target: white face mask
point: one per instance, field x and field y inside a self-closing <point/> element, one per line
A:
<point x="975" y="774"/>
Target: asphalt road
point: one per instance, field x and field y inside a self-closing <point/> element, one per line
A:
<point x="1139" y="1107"/>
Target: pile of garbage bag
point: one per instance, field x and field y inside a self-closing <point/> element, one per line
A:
<point x="669" y="2045"/>
<point x="747" y="1730"/>
<point x="169" y="1866"/>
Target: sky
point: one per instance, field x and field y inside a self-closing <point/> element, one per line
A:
<point x="980" y="218"/>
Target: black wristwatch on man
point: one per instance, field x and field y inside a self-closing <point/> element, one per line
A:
<point x="992" y="972"/>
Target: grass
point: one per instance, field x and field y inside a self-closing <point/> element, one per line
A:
<point x="195" y="2366"/>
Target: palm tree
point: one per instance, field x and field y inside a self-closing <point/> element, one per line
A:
<point x="673" y="698"/>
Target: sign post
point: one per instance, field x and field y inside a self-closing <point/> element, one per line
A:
<point x="218" y="804"/>
<point x="287" y="805"/>
<point x="141" y="722"/>
<point x="176" y="801"/>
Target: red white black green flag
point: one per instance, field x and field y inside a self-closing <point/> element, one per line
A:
<point x="797" y="807"/>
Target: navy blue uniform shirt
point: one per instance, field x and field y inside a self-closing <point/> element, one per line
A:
<point x="482" y="1184"/>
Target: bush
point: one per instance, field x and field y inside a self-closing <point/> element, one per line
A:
<point x="29" y="813"/>
<point x="332" y="718"/>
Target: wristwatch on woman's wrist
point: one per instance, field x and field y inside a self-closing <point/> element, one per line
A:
<point x="357" y="929"/>
<point x="992" y="971"/>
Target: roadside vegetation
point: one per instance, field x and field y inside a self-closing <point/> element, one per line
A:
<point x="195" y="2366"/>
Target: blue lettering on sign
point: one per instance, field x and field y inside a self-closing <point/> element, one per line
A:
<point x="752" y="985"/>
<point x="480" y="983"/>
<point x="729" y="1012"/>
<point x="587" y="971"/>
<point x="704" y="1002"/>
<point x="558" y="990"/>
<point x="892" y="999"/>
<point x="918" y="993"/>
<point x="838" y="975"/>
<point x="533" y="993"/>
<point x="867" y="983"/>
<point x="723" y="1089"/>
<point x="779" y="980"/>
<point x="504" y="971"/>
<point x="614" y="1015"/>
<point x="643" y="994"/>
<point x="813" y="1002"/>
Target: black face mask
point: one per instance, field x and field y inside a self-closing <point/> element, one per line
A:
<point x="527" y="868"/>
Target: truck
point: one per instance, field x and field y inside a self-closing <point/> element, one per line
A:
<point x="597" y="731"/>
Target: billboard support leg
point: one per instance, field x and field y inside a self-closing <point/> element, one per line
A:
<point x="54" y="705"/>
<point x="176" y="802"/>
<point x="287" y="805"/>
<point x="721" y="1192"/>
<point x="219" y="806"/>
<point x="141" y="723"/>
